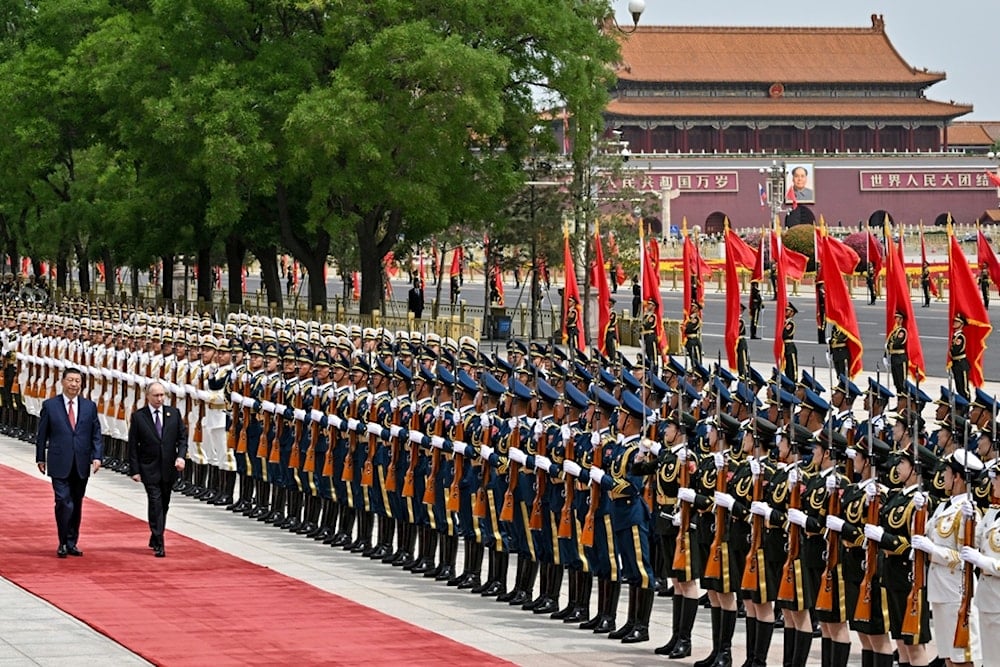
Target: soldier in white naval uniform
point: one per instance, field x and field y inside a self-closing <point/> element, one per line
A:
<point x="987" y="558"/>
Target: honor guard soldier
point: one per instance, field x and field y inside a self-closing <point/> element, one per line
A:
<point x="402" y="506"/>
<point x="959" y="364"/>
<point x="839" y="355"/>
<point x="319" y="448"/>
<point x="424" y="383"/>
<point x="692" y="334"/>
<point x="572" y="322"/>
<point x="820" y="310"/>
<point x="756" y="306"/>
<point x="985" y="555"/>
<point x="842" y="407"/>
<point x="984" y="283"/>
<point x="467" y="471"/>
<point x="375" y="467"/>
<point x="742" y="347"/>
<point x="791" y="361"/>
<point x="342" y="408"/>
<point x="610" y="334"/>
<point x="895" y="351"/>
<point x="925" y="284"/>
<point x="876" y="401"/>
<point x="648" y="331"/>
<point x="489" y="501"/>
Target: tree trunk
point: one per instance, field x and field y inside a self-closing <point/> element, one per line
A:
<point x="205" y="275"/>
<point x="372" y="250"/>
<point x="62" y="271"/>
<point x="167" y="277"/>
<point x="109" y="273"/>
<point x="135" y="285"/>
<point x="312" y="252"/>
<point x="83" y="265"/>
<point x="267" y="256"/>
<point x="236" y="252"/>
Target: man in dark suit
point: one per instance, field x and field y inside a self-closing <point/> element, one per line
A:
<point x="69" y="448"/>
<point x="157" y="445"/>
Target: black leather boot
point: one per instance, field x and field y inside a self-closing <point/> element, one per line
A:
<point x="551" y="602"/>
<point x="573" y="594"/>
<point x="689" y="610"/>
<point x="584" y="586"/>
<point x="765" y="631"/>
<point x="788" y="646"/>
<point x="633" y="605"/>
<point x="344" y="528"/>
<point x="509" y="595"/>
<point x="751" y="640"/>
<point x="803" y="642"/>
<point x="543" y="588"/>
<point x="716" y="614"/>
<point x="643" y="610"/>
<point x="472" y="578"/>
<point x="466" y="563"/>
<point x="840" y="653"/>
<point x="490" y="572"/>
<point x="527" y="582"/>
<point x="610" y="615"/>
<point x="727" y="626"/>
<point x="602" y="597"/>
<point x="499" y="583"/>
<point x="450" y="550"/>
<point x="675" y="621"/>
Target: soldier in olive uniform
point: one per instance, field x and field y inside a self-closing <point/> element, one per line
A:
<point x="756" y="306"/>
<point x="957" y="356"/>
<point x="791" y="361"/>
<point x="895" y="350"/>
<point x="692" y="334"/>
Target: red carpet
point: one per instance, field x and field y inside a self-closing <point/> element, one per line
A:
<point x="198" y="606"/>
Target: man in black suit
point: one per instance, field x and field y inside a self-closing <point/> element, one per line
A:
<point x="157" y="445"/>
<point x="69" y="448"/>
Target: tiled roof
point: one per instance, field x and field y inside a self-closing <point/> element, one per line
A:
<point x="762" y="108"/>
<point x="969" y="134"/>
<point x="789" y="55"/>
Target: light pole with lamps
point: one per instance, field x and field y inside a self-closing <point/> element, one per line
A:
<point x="775" y="177"/>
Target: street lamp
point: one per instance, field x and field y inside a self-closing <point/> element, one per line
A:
<point x="635" y="8"/>
<point x="775" y="177"/>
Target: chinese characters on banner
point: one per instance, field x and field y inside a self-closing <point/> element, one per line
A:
<point x="887" y="180"/>
<point x="702" y="181"/>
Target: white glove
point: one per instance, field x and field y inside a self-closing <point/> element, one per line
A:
<point x="315" y="415"/>
<point x="831" y="482"/>
<point x="655" y="448"/>
<point x="596" y="475"/>
<point x="978" y="559"/>
<point x="720" y="460"/>
<point x="571" y="468"/>
<point x="870" y="492"/>
<point x="179" y="391"/>
<point x="682" y="454"/>
<point x="395" y="430"/>
<point x="437" y="442"/>
<point x="873" y="532"/>
<point x="512" y="423"/>
<point x="438" y="412"/>
<point x="852" y="454"/>
<point x="538" y="429"/>
<point x="798" y="517"/>
<point x="203" y="395"/>
<point x="279" y="408"/>
<point x="247" y="402"/>
<point x="968" y="511"/>
<point x="394" y="404"/>
<point x="885" y="362"/>
<point x="484" y="420"/>
<point x="919" y="500"/>
<point x="267" y="406"/>
<point x="595" y="439"/>
<point x="651" y="419"/>
<point x="415" y="436"/>
<point x="335" y="421"/>
<point x="834" y="523"/>
<point x="754" y="467"/>
<point x="459" y="447"/>
<point x="314" y="391"/>
<point x="724" y="500"/>
<point x="923" y="543"/>
<point x="236" y="397"/>
<point x="374" y="428"/>
<point x="543" y="463"/>
<point x="685" y="495"/>
<point x="793" y="476"/>
<point x="760" y="509"/>
<point x="485" y="452"/>
<point x="827" y="358"/>
<point x="299" y="414"/>
<point x="644" y="444"/>
<point x="565" y="433"/>
<point x="353" y="425"/>
<point x="517" y="455"/>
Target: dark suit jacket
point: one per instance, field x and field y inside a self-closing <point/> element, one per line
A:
<point x="151" y="456"/>
<point x="66" y="446"/>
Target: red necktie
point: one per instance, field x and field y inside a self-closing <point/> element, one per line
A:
<point x="72" y="416"/>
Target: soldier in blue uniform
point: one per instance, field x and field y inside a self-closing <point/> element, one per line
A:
<point x="378" y="419"/>
<point x="466" y="393"/>
<point x="424" y="383"/>
<point x="339" y="410"/>
<point x="496" y="539"/>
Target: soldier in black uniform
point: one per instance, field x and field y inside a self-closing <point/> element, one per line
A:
<point x="839" y="354"/>
<point x="692" y="334"/>
<point x="572" y="323"/>
<point x="984" y="284"/>
<point x="957" y="357"/>
<point x="788" y="335"/>
<point x="925" y="284"/>
<point x="649" y="343"/>
<point x="895" y="350"/>
<point x="756" y="306"/>
<point x="742" y="348"/>
<point x="870" y="282"/>
<point x="610" y="334"/>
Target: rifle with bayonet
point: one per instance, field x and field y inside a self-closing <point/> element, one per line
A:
<point x="863" y="609"/>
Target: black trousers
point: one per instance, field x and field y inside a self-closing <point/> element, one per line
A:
<point x="791" y="361"/>
<point x="839" y="356"/>
<point x="69" y="492"/>
<point x="158" y="502"/>
<point x="897" y="366"/>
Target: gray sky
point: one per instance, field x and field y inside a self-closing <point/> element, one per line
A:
<point x="957" y="37"/>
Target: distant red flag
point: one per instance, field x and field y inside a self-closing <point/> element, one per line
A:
<point x="733" y="252"/>
<point x="994" y="179"/>
<point x="356" y="281"/>
<point x="836" y="260"/>
<point x="795" y="262"/>
<point x="456" y="262"/>
<point x="924" y="262"/>
<point x="964" y="297"/>
<point x="650" y="288"/>
<point x="897" y="297"/>
<point x="790" y="197"/>
<point x="243" y="278"/>
<point x="744" y="256"/>
<point x="758" y="268"/>
<point x="603" y="290"/>
<point x="781" y="296"/>
<point x="571" y="289"/>
<point x="986" y="256"/>
<point x="423" y="276"/>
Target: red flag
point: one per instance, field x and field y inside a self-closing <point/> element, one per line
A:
<point x="790" y="197"/>
<point x="777" y="256"/>
<point x="571" y="292"/>
<point x="243" y="279"/>
<point x="744" y="256"/>
<point x="986" y="256"/>
<point x="356" y="281"/>
<point x="897" y="297"/>
<point x="795" y="262"/>
<point x="456" y="262"/>
<point x="650" y="288"/>
<point x="964" y="298"/>
<point x="733" y="252"/>
<point x="687" y="261"/>
<point x="423" y="275"/>
<point x="603" y="290"/>
<point x="758" y="268"/>
<point x="874" y="254"/>
<point x="924" y="262"/>
<point x="498" y="282"/>
<point x="836" y="260"/>
<point x="994" y="179"/>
